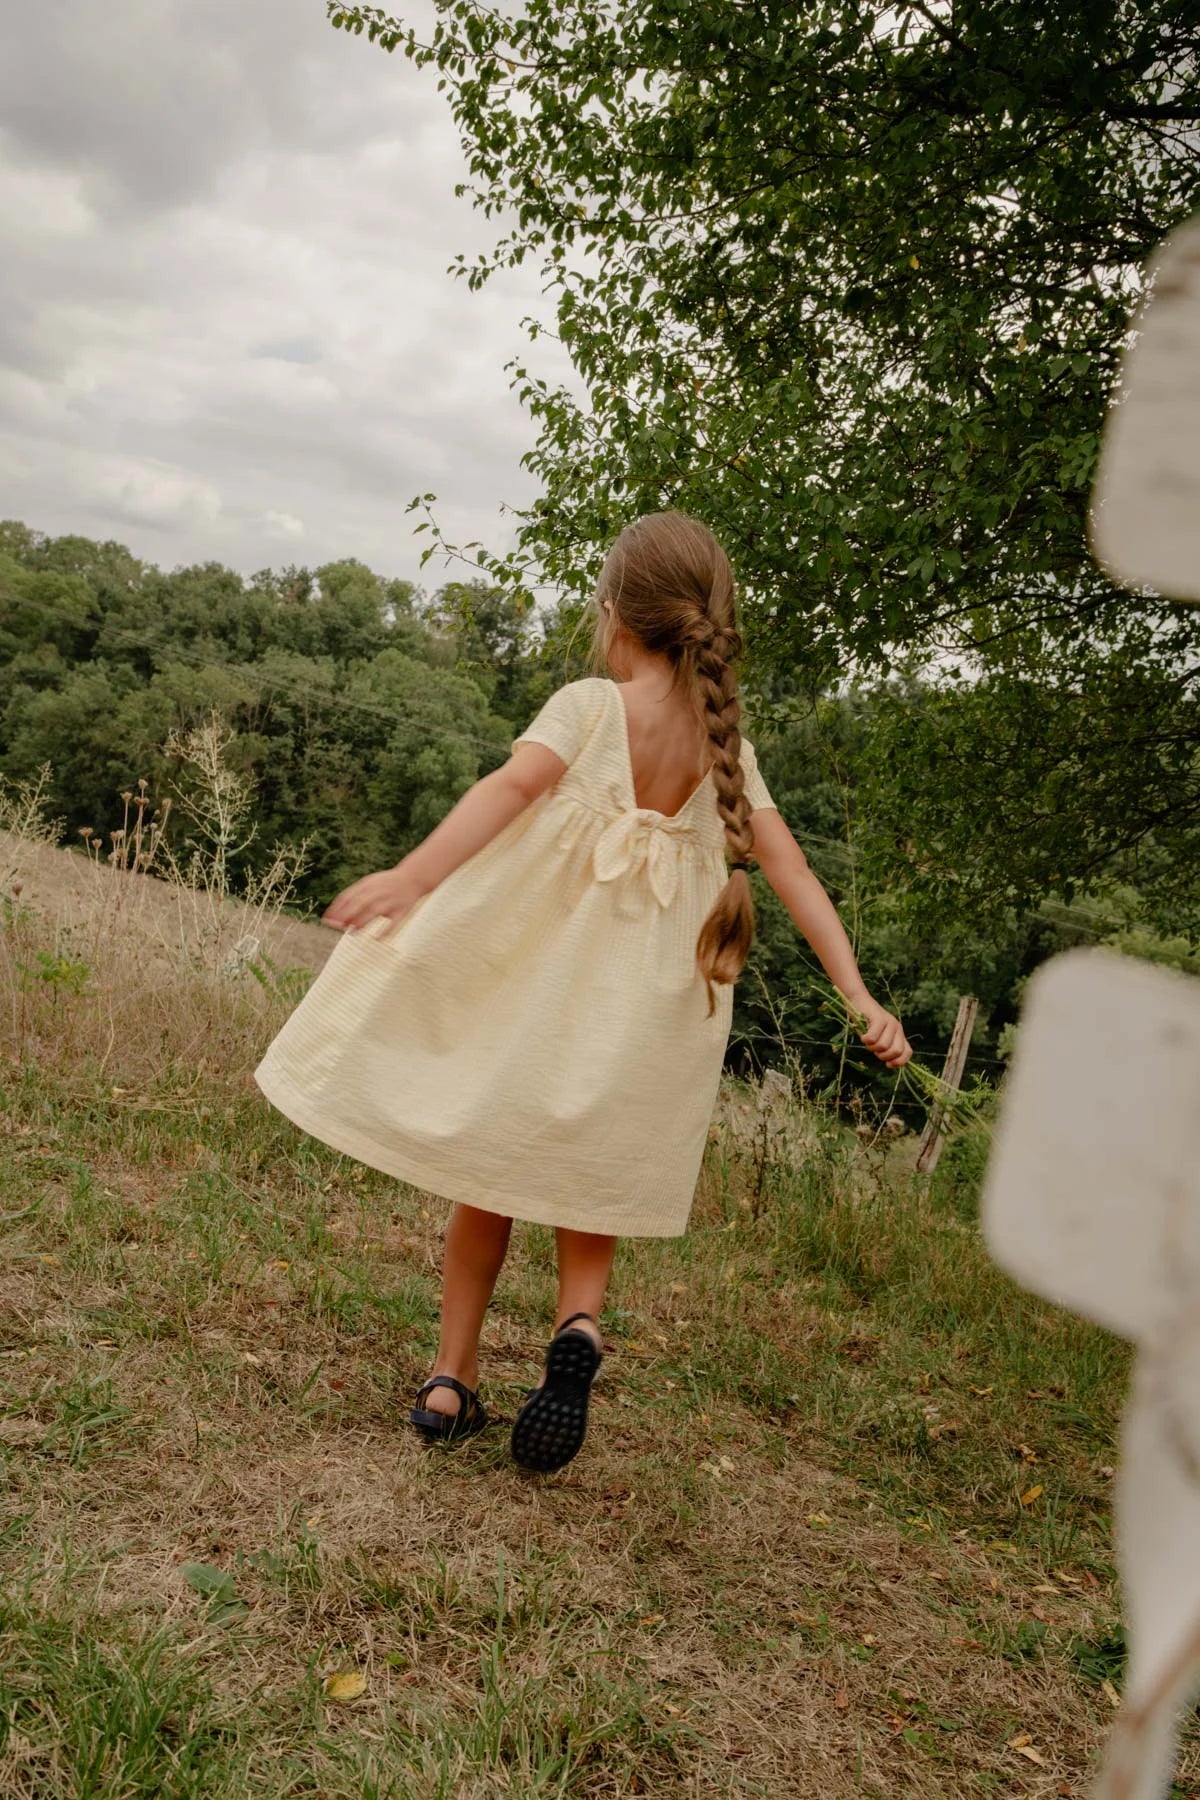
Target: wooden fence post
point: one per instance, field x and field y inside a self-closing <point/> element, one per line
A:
<point x="952" y="1074"/>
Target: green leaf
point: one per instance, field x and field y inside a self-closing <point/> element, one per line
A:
<point x="207" y="1579"/>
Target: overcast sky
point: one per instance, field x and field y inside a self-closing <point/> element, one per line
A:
<point x="226" y="327"/>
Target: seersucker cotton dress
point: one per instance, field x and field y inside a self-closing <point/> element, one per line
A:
<point x="533" y="1039"/>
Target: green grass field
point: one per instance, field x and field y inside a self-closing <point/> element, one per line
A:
<point x="841" y="1526"/>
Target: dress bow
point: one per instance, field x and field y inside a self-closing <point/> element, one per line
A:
<point x="640" y="840"/>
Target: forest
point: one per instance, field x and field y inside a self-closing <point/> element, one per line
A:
<point x="852" y="283"/>
<point x="361" y="707"/>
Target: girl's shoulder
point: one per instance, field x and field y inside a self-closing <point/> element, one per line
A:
<point x="589" y="690"/>
<point x="755" y="788"/>
<point x="569" y="716"/>
<point x="584" y="699"/>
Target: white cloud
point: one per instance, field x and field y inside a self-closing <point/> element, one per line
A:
<point x="224" y="302"/>
<point x="157" y="495"/>
<point x="284" y="525"/>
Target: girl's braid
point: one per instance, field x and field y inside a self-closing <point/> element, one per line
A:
<point x="669" y="583"/>
<point x="714" y="649"/>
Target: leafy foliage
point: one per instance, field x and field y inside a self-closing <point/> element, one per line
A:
<point x="360" y="711"/>
<point x="357" y="709"/>
<point x="850" y="282"/>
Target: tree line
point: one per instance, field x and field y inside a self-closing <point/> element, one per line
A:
<point x="362" y="707"/>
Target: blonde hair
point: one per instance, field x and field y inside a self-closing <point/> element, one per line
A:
<point x="669" y="583"/>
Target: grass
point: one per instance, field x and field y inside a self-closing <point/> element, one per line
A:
<point x="793" y="1559"/>
<point x="841" y="1527"/>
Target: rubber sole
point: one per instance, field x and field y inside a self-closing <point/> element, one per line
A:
<point x="552" y="1424"/>
<point x="448" y="1432"/>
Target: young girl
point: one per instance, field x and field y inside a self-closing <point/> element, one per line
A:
<point x="528" y="1014"/>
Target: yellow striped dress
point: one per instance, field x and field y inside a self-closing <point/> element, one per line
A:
<point x="533" y="1039"/>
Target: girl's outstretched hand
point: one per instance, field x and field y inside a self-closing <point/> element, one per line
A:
<point x="388" y="894"/>
<point x="883" y="1034"/>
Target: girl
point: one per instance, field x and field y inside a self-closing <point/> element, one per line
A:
<point x="528" y="1014"/>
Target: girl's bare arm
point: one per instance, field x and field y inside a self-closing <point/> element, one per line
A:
<point x="479" y="816"/>
<point x="785" y="866"/>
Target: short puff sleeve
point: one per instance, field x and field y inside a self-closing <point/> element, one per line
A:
<point x="755" y="786"/>
<point x="562" y="723"/>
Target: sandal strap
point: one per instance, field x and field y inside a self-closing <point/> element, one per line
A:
<point x="584" y="1315"/>
<point x="465" y="1395"/>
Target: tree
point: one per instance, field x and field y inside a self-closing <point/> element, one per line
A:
<point x="492" y="631"/>
<point x="335" y="689"/>
<point x="850" y="282"/>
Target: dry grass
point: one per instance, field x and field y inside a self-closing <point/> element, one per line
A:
<point x="793" y="1559"/>
<point x="135" y="979"/>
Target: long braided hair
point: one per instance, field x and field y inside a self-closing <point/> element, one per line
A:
<point x="669" y="583"/>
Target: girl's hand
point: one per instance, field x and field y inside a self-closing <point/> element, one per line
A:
<point x="389" y="894"/>
<point x="883" y="1034"/>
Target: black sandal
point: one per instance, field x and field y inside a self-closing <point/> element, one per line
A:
<point x="449" y="1428"/>
<point x="551" y="1424"/>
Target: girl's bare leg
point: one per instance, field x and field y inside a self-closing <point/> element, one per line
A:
<point x="585" y="1260"/>
<point x="476" y="1244"/>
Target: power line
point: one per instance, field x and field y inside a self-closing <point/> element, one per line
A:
<point x="301" y="690"/>
<point x="325" y="697"/>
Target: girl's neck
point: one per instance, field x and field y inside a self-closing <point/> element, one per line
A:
<point x="647" y="668"/>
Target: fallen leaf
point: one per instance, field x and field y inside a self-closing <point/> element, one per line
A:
<point x="1034" y="1756"/>
<point x="842" y="1700"/>
<point x="819" y="1521"/>
<point x="1045" y="1587"/>
<point x="869" y="1638"/>
<point x="346" y="1684"/>
<point x="1110" y="1693"/>
<point x="1030" y="1495"/>
<point x="652" y="1619"/>
<point x="983" y="1391"/>
<point x="207" y="1579"/>
<point x="1019" y="1742"/>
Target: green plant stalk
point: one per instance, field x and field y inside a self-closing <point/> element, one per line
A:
<point x="960" y="1106"/>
